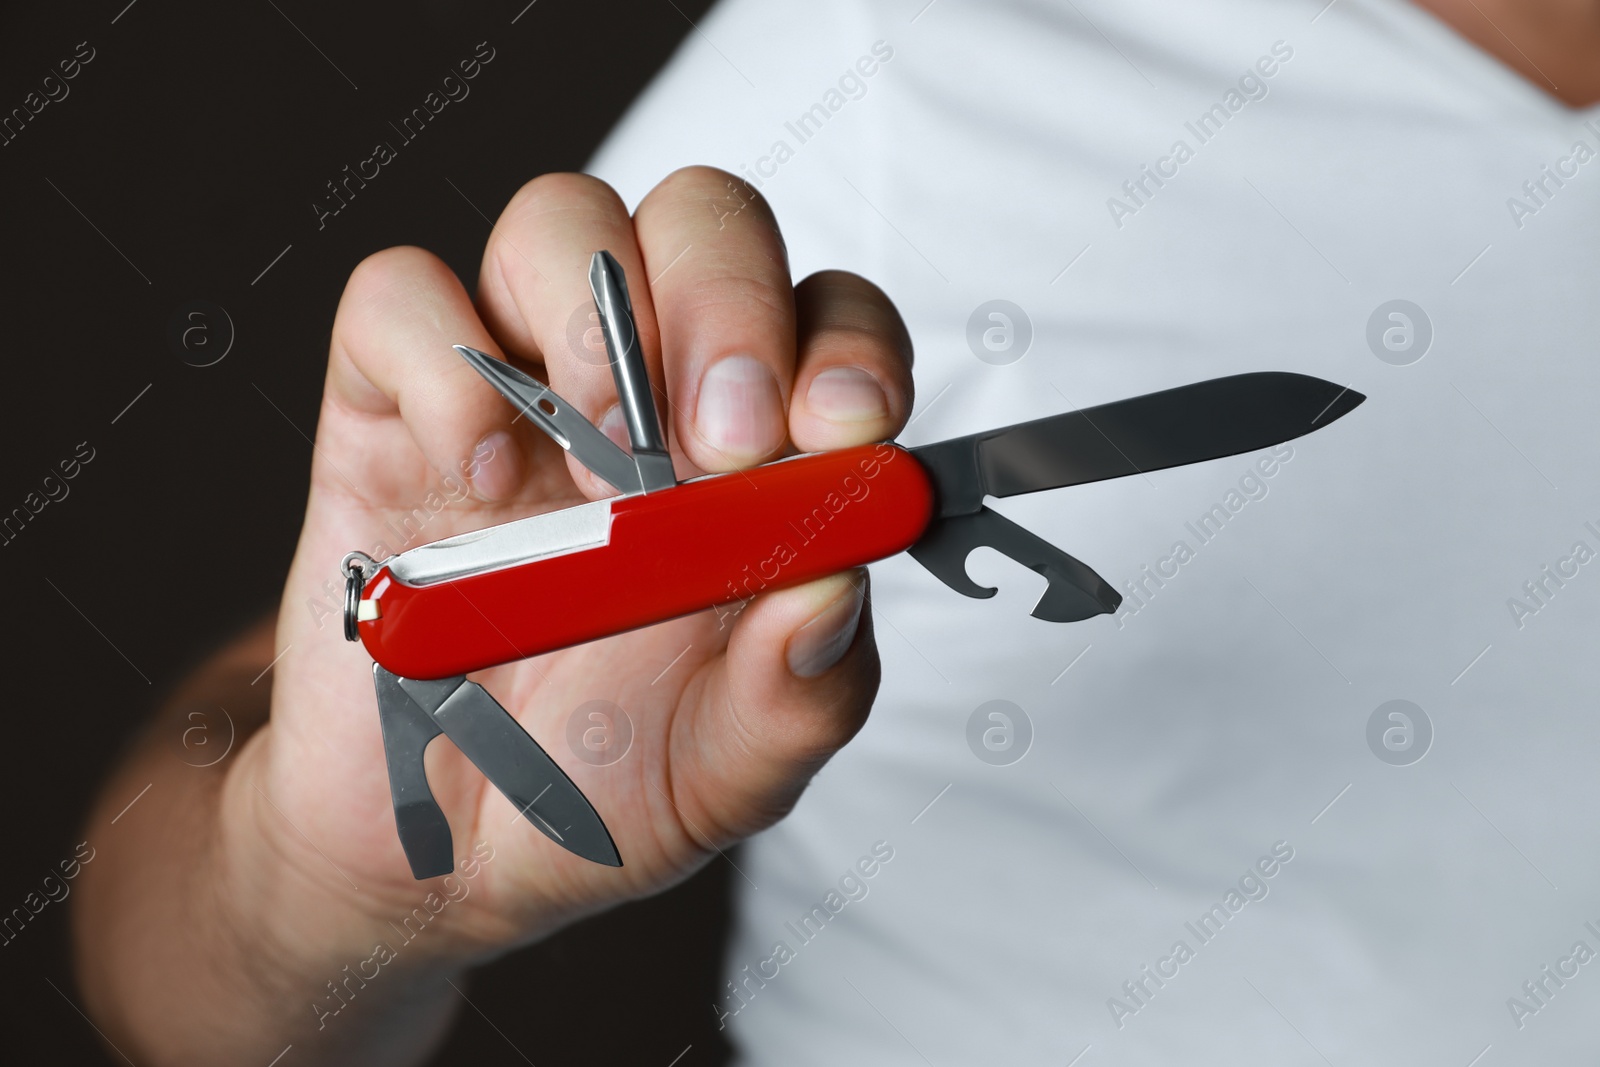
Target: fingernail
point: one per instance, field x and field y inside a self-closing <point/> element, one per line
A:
<point x="740" y="410"/>
<point x="615" y="426"/>
<point x="495" y="469"/>
<point x="847" y="394"/>
<point x="823" y="641"/>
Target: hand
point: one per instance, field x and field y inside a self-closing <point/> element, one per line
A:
<point x="731" y="716"/>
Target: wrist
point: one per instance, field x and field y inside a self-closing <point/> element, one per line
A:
<point x="306" y="933"/>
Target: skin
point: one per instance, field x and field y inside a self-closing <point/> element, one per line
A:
<point x="250" y="885"/>
<point x="211" y="923"/>
<point x="1555" y="44"/>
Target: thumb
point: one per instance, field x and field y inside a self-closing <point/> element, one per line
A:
<point x="797" y="681"/>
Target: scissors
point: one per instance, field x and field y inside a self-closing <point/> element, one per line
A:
<point x="663" y="549"/>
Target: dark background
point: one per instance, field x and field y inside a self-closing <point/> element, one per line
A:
<point x="186" y="157"/>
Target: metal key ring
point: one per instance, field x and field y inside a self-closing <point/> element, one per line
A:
<point x="354" y="565"/>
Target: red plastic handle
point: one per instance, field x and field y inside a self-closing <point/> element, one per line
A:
<point x="697" y="545"/>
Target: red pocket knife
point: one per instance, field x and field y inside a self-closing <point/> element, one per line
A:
<point x="663" y="549"/>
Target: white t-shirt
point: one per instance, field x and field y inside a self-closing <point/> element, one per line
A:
<point x="1218" y="767"/>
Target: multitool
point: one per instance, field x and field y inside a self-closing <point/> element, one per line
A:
<point x="663" y="548"/>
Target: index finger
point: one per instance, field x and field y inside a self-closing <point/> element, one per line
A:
<point x="533" y="293"/>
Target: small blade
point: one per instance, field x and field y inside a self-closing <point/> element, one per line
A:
<point x="563" y="422"/>
<point x="610" y="288"/>
<point x="515" y="764"/>
<point x="407" y="729"/>
<point x="1189" y="424"/>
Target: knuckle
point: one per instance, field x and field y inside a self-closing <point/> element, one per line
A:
<point x="801" y="738"/>
<point x="840" y="298"/>
<point x="382" y="271"/>
<point x="387" y="290"/>
<point x="692" y="179"/>
<point x="844" y="314"/>
<point x="564" y="193"/>
<point x="844" y="283"/>
<point x="682" y="195"/>
<point x="819" y="735"/>
<point x="737" y="296"/>
<point x="550" y="203"/>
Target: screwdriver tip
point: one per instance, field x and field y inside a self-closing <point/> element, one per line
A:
<point x="608" y="282"/>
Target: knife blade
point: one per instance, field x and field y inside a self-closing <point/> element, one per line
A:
<point x="512" y="761"/>
<point x="1172" y="428"/>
